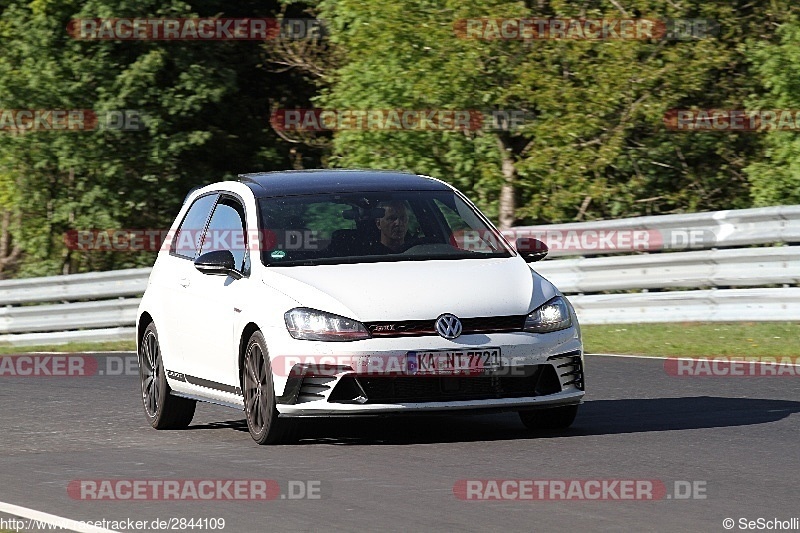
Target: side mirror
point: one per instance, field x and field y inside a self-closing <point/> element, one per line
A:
<point x="218" y="262"/>
<point x="531" y="250"/>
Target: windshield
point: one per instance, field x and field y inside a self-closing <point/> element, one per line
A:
<point x="374" y="227"/>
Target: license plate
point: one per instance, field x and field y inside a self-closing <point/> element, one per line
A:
<point x="453" y="362"/>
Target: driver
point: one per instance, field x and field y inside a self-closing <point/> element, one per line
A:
<point x="393" y="226"/>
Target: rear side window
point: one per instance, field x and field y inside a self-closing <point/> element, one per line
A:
<point x="188" y="238"/>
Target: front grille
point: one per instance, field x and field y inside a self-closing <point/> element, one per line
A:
<point x="537" y="380"/>
<point x="428" y="389"/>
<point x="411" y="328"/>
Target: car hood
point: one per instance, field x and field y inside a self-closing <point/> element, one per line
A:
<point x="415" y="290"/>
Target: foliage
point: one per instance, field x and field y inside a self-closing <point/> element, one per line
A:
<point x="775" y="177"/>
<point x="595" y="146"/>
<point x="203" y="107"/>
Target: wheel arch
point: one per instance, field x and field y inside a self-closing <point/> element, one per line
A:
<point x="145" y="319"/>
<point x="247" y="332"/>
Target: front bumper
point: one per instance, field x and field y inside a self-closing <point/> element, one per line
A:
<point x="542" y="370"/>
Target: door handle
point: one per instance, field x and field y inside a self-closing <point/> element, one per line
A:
<point x="184" y="282"/>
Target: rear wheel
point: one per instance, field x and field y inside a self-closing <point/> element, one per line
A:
<point x="259" y="396"/>
<point x="163" y="410"/>
<point x="553" y="418"/>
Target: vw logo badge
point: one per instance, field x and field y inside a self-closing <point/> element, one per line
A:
<point x="448" y="326"/>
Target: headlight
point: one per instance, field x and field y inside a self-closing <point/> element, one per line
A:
<point x="552" y="316"/>
<point x="311" y="325"/>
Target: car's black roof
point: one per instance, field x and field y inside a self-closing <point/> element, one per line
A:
<point x="296" y="182"/>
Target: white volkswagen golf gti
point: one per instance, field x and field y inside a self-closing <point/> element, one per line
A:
<point x="349" y="292"/>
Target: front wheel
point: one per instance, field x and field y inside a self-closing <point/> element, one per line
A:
<point x="163" y="410"/>
<point x="259" y="396"/>
<point x="552" y="418"/>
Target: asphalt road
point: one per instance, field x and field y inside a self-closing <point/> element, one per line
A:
<point x="735" y="439"/>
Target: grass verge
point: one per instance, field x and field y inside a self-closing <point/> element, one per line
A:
<point x="111" y="346"/>
<point x="696" y="339"/>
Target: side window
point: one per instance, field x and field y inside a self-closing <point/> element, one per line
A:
<point x="190" y="233"/>
<point x="226" y="231"/>
<point x="467" y="231"/>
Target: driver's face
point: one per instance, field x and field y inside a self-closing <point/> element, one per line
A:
<point x="394" y="223"/>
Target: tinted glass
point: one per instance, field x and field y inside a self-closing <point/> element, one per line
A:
<point x="186" y="242"/>
<point x="226" y="232"/>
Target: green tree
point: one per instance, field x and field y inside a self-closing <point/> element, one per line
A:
<point x="204" y="109"/>
<point x="597" y="147"/>
<point x="775" y="178"/>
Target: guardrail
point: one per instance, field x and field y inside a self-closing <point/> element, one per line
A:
<point x="91" y="286"/>
<point x="714" y="229"/>
<point x="737" y="267"/>
<point x="723" y="305"/>
<point x="734" y="282"/>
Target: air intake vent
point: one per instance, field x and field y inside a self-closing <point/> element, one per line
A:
<point x="570" y="368"/>
<point x="314" y="389"/>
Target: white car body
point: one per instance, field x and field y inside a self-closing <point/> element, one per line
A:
<point x="203" y="321"/>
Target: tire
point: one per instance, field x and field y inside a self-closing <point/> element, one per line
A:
<point x="549" y="419"/>
<point x="259" y="396"/>
<point x="163" y="410"/>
